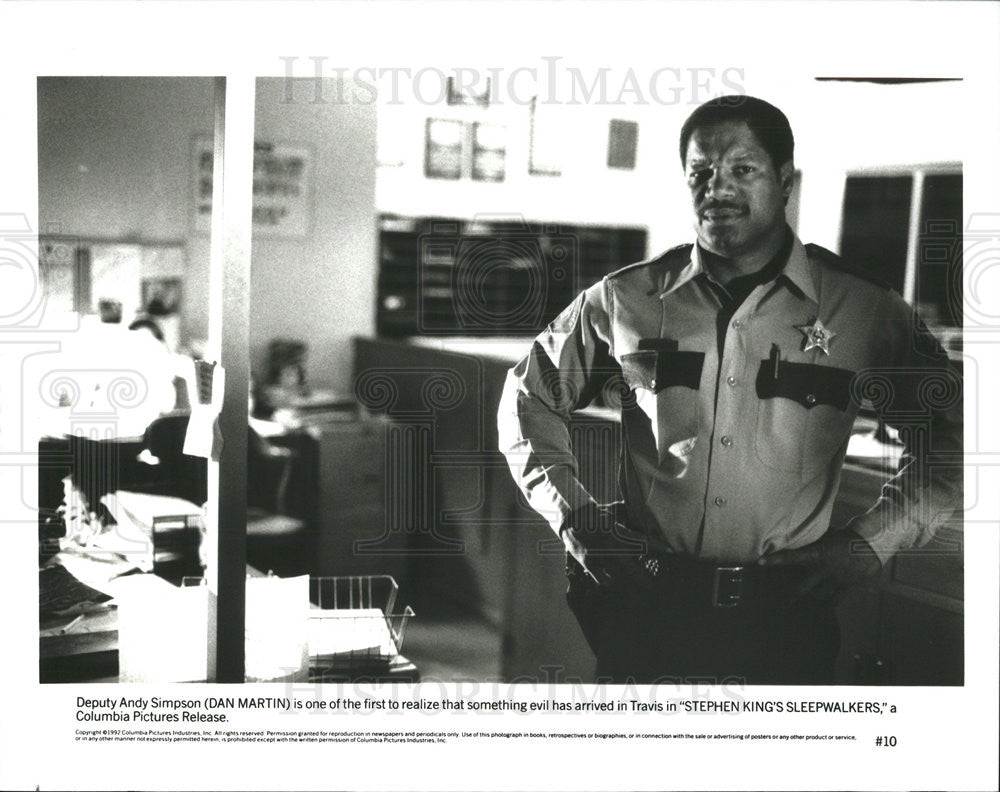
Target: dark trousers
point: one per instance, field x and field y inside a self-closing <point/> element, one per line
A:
<point x="668" y="634"/>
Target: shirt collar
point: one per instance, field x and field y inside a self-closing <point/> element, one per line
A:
<point x="798" y="270"/>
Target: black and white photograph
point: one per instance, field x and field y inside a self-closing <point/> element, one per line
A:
<point x="490" y="400"/>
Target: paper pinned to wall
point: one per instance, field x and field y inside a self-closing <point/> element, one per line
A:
<point x="282" y="187"/>
<point x="203" y="437"/>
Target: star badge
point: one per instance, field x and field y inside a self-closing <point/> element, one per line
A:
<point x="817" y="336"/>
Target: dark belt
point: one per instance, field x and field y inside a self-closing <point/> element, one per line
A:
<point x="721" y="586"/>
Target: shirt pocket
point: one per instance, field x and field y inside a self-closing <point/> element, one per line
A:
<point x="804" y="415"/>
<point x="665" y="384"/>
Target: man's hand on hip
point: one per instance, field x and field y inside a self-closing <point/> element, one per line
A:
<point x="837" y="562"/>
<point x="608" y="551"/>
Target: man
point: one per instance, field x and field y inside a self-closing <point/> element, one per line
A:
<point x="740" y="363"/>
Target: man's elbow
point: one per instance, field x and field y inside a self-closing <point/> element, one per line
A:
<point x="509" y="435"/>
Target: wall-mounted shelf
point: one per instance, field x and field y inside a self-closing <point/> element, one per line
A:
<point x="497" y="276"/>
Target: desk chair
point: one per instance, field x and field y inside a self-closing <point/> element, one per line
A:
<point x="276" y="540"/>
<point x="176" y="473"/>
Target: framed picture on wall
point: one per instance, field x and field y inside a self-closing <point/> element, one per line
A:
<point x="162" y="296"/>
<point x="545" y="155"/>
<point x="489" y="152"/>
<point x="478" y="94"/>
<point x="623" y="138"/>
<point x="443" y="152"/>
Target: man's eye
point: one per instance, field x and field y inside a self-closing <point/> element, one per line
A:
<point x="743" y="170"/>
<point x="698" y="176"/>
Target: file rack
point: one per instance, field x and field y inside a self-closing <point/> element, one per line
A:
<point x="353" y="626"/>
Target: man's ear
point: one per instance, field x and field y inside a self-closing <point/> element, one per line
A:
<point x="786" y="175"/>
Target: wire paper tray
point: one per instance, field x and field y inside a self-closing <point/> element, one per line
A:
<point x="353" y="626"/>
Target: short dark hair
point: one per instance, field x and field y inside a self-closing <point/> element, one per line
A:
<point x="143" y="323"/>
<point x="769" y="125"/>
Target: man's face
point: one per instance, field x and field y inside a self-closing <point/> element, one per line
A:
<point x="738" y="196"/>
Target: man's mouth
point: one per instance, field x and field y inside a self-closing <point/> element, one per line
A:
<point x="722" y="214"/>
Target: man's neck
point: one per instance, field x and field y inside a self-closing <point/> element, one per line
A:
<point x="724" y="269"/>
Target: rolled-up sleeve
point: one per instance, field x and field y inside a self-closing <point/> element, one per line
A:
<point x="918" y="393"/>
<point x="565" y="369"/>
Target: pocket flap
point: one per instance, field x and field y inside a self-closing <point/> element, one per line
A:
<point x="639" y="369"/>
<point x="658" y="369"/>
<point x="805" y="383"/>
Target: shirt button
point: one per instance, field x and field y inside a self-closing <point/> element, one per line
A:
<point x="720" y="501"/>
<point x="810" y="399"/>
<point x="730" y="381"/>
<point x="737" y="324"/>
<point x="652" y="383"/>
<point x="726" y="441"/>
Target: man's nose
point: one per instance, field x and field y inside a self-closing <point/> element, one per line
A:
<point x="719" y="184"/>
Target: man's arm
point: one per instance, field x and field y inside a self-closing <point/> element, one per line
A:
<point x="565" y="369"/>
<point x="918" y="392"/>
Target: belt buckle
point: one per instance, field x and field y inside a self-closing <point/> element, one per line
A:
<point x="727" y="587"/>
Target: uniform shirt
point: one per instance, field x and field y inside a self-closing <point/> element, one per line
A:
<point x="734" y="425"/>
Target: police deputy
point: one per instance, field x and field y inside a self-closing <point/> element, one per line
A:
<point x="740" y="363"/>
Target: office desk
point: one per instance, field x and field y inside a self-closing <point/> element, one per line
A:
<point x="87" y="652"/>
<point x="400" y="669"/>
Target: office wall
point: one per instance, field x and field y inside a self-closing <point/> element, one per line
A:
<point x="838" y="126"/>
<point x="586" y="192"/>
<point x="115" y="164"/>
<point x="320" y="288"/>
<point x="842" y="126"/>
<point x="113" y="154"/>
